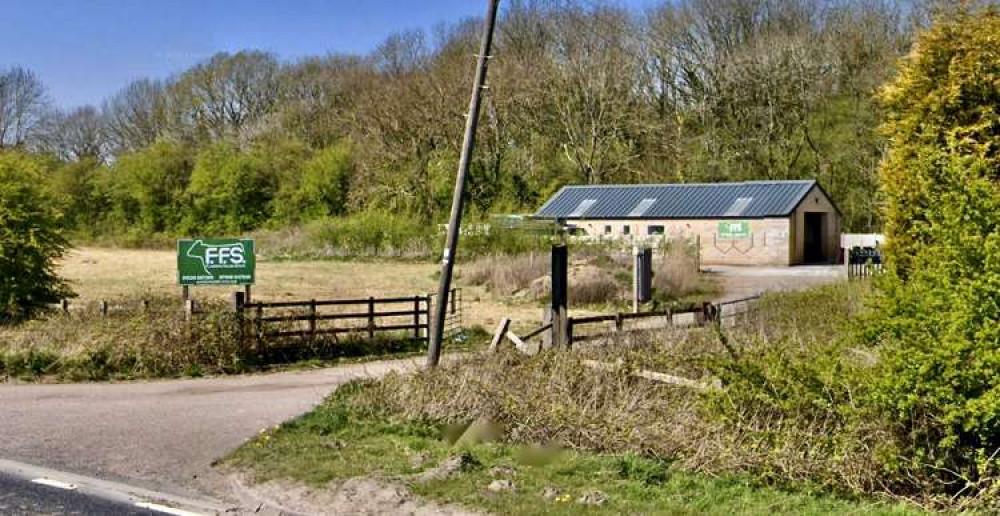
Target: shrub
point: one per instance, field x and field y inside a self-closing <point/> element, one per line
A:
<point x="31" y="241"/>
<point x="935" y="320"/>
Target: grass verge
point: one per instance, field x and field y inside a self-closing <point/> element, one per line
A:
<point x="351" y="435"/>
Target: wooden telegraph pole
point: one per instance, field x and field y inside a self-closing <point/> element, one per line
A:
<point x="458" y="199"/>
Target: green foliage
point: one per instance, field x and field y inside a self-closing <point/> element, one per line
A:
<point x="31" y="241"/>
<point x="319" y="189"/>
<point x="935" y="321"/>
<point x="146" y="188"/>
<point x="230" y="191"/>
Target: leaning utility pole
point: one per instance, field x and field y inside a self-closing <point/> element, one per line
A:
<point x="458" y="199"/>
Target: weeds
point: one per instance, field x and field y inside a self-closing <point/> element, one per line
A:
<point x="599" y="274"/>
<point x="161" y="342"/>
<point x="352" y="434"/>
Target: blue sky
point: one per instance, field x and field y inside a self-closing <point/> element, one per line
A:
<point x="85" y="50"/>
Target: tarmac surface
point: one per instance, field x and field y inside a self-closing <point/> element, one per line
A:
<point x="162" y="435"/>
<point x="23" y="497"/>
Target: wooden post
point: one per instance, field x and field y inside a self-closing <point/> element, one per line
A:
<point x="371" y="318"/>
<point x="64" y="304"/>
<point x="259" y="322"/>
<point x="451" y="300"/>
<point x="237" y="305"/>
<point x="416" y="317"/>
<point x="312" y="318"/>
<point x="145" y="306"/>
<point x="246" y="292"/>
<point x="618" y="323"/>
<point x="568" y="331"/>
<point x="559" y="295"/>
<point x="185" y="293"/>
<point x="547" y="336"/>
<point x="104" y="308"/>
<point x="430" y="317"/>
<point x="188" y="309"/>
<point x="499" y="334"/>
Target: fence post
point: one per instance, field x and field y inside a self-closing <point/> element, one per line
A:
<point x="312" y="318"/>
<point x="618" y="322"/>
<point x="237" y="304"/>
<point x="451" y="300"/>
<point x="371" y="318"/>
<point x="188" y="309"/>
<point x="259" y="322"/>
<point x="568" y="331"/>
<point x="430" y="318"/>
<point x="104" y="308"/>
<point x="559" y="295"/>
<point x="64" y="304"/>
<point x="145" y="306"/>
<point x="416" y="317"/>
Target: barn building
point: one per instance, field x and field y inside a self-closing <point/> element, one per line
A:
<point x="748" y="223"/>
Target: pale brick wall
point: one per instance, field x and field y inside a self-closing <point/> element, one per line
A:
<point x="767" y="243"/>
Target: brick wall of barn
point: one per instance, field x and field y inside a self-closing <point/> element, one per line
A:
<point x="768" y="241"/>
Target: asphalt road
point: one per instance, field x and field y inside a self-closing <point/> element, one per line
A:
<point x="22" y="497"/>
<point x="162" y="435"/>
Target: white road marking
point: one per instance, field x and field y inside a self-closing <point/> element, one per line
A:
<point x="53" y="483"/>
<point x="165" y="510"/>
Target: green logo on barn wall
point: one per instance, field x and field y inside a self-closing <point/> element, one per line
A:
<point x="734" y="229"/>
<point x="216" y="262"/>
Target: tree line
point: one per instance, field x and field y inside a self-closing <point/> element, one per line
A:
<point x="579" y="92"/>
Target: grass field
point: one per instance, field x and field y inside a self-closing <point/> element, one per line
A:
<point x="97" y="274"/>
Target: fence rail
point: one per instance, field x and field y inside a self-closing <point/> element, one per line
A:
<point x="691" y="315"/>
<point x="284" y="319"/>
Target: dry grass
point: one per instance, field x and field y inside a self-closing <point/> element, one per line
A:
<point x="506" y="275"/>
<point x="781" y="411"/>
<point x="555" y="399"/>
<point x="97" y="274"/>
<point x="675" y="272"/>
<point x="597" y="275"/>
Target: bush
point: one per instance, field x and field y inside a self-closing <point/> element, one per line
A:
<point x="935" y="320"/>
<point x="31" y="241"/>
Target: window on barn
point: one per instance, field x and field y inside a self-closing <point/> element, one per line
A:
<point x="626" y="229"/>
<point x="655" y="230"/>
<point x="607" y="230"/>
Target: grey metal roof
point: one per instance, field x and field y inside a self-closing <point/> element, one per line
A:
<point x="750" y="199"/>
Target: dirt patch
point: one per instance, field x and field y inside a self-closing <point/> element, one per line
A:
<point x="359" y="495"/>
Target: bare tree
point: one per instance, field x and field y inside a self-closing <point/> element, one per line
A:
<point x="74" y="135"/>
<point x="23" y="103"/>
<point x="136" y="116"/>
<point x="227" y="94"/>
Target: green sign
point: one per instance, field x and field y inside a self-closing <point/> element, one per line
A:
<point x="216" y="262"/>
<point x="734" y="229"/>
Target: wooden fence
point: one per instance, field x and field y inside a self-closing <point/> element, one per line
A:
<point x="596" y="327"/>
<point x="406" y="316"/>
